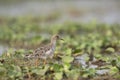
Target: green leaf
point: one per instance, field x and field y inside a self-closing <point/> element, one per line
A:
<point x="20" y="51"/>
<point x="66" y="66"/>
<point x="110" y="49"/>
<point x="68" y="51"/>
<point x="14" y="71"/>
<point x="67" y="59"/>
<point x="113" y="70"/>
<point x="2" y="71"/>
<point x="89" y="72"/>
<point x="73" y="74"/>
<point x="39" y="70"/>
<point x="58" y="75"/>
<point x="57" y="67"/>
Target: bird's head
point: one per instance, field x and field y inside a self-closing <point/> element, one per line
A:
<point x="56" y="37"/>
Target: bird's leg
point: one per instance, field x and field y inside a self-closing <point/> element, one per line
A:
<point x="44" y="61"/>
<point x="36" y="62"/>
<point x="29" y="76"/>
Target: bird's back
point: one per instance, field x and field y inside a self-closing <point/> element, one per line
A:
<point x="42" y="52"/>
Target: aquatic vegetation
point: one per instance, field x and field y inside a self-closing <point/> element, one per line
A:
<point x="90" y="51"/>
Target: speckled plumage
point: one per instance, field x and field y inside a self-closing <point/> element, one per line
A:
<point x="46" y="51"/>
<point x="43" y="52"/>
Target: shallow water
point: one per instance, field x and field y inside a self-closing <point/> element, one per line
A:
<point x="82" y="60"/>
<point x="3" y="49"/>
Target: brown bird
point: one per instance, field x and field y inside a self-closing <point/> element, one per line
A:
<point x="46" y="51"/>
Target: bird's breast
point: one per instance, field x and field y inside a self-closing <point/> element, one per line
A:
<point x="49" y="52"/>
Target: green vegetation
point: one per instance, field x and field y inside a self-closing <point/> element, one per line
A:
<point x="91" y="41"/>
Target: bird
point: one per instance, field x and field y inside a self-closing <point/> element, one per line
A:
<point x="46" y="51"/>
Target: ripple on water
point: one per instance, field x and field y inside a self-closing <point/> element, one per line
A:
<point x="3" y="49"/>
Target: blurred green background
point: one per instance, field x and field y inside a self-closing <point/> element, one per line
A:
<point x="22" y="18"/>
<point x="90" y="29"/>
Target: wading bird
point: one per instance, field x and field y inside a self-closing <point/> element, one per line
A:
<point x="46" y="51"/>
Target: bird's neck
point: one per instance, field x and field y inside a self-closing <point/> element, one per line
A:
<point x="53" y="43"/>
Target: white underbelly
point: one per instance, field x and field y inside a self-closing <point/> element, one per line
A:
<point x="49" y="52"/>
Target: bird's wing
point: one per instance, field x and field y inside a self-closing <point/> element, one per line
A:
<point x="39" y="51"/>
